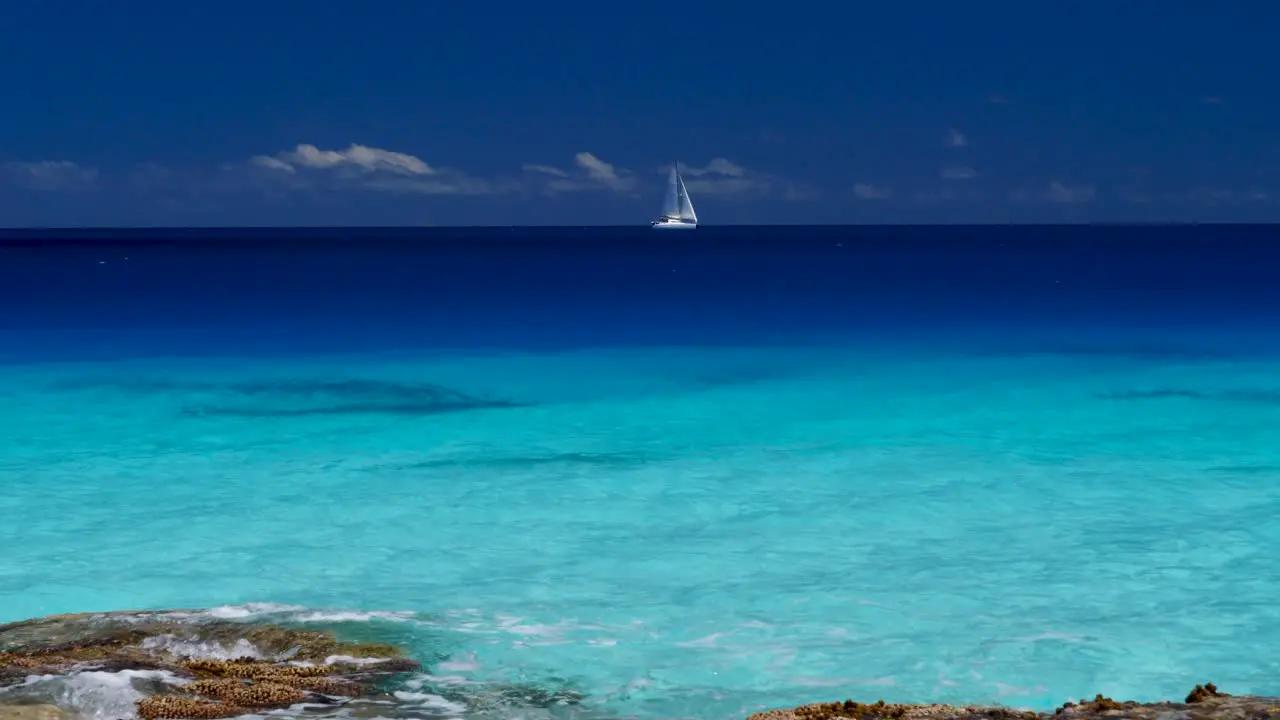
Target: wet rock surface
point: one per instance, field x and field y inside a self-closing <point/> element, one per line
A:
<point x="174" y="664"/>
<point x="32" y="711"/>
<point x="1204" y="702"/>
<point x="180" y="664"/>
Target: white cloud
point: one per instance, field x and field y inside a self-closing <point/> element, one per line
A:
<point x="49" y="175"/>
<point x="956" y="139"/>
<point x="587" y="173"/>
<point x="1221" y="196"/>
<point x="602" y="172"/>
<point x="1066" y="194"/>
<point x="723" y="178"/>
<point x="271" y="163"/>
<point x="308" y="167"/>
<point x="717" y="166"/>
<point x="358" y="157"/>
<point x="958" y="172"/>
<point x="720" y="178"/>
<point x="726" y="186"/>
<point x="370" y="168"/>
<point x="865" y="191"/>
<point x="544" y="169"/>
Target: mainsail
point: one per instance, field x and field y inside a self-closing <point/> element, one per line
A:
<point x="685" y="204"/>
<point x="671" y="203"/>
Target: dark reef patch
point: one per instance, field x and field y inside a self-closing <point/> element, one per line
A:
<point x="1261" y="397"/>
<point x="293" y="397"/>
<point x="372" y="408"/>
<point x="520" y="461"/>
<point x="1244" y="469"/>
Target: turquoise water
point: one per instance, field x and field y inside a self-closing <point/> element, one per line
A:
<point x="680" y="532"/>
<point x="688" y="480"/>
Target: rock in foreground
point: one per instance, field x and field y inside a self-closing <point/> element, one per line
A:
<point x="1205" y="702"/>
<point x="191" y="668"/>
<point x="200" y="664"/>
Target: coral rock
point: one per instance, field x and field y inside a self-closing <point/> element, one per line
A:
<point x="323" y="685"/>
<point x="17" y="660"/>
<point x="174" y="707"/>
<point x="258" y="694"/>
<point x="1200" y="693"/>
<point x="1205" y="702"/>
<point x="251" y="669"/>
<point x="851" y="710"/>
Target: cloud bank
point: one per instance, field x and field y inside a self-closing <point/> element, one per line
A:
<point x="361" y="166"/>
<point x="378" y="169"/>
<point x="306" y="169"/>
<point x="867" y="191"/>
<point x="725" y="179"/>
<point x="586" y="174"/>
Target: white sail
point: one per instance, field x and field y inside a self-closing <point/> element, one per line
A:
<point x="686" y="205"/>
<point x="671" y="203"/>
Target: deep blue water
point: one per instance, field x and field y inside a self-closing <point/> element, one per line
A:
<point x="554" y="287"/>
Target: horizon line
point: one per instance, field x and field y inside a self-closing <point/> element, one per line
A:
<point x="215" y="228"/>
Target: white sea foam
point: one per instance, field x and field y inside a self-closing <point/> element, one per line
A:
<point x="456" y="680"/>
<point x="343" y="616"/>
<point x="202" y="650"/>
<point x="429" y="701"/>
<point x="298" y="613"/>
<point x="462" y="664"/>
<point x="93" y="695"/>
<point x="335" y="659"/>
<point x="249" y="610"/>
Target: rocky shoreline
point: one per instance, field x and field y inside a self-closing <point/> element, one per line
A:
<point x="1204" y="702"/>
<point x="179" y="664"/>
<point x="190" y="664"/>
<point x="176" y="665"/>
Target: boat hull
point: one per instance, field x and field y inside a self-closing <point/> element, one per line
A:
<point x="673" y="226"/>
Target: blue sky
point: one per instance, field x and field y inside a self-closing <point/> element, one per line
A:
<point x="280" y="112"/>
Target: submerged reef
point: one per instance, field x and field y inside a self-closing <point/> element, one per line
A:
<point x="181" y="665"/>
<point x="298" y="397"/>
<point x="176" y="664"/>
<point x="1204" y="702"/>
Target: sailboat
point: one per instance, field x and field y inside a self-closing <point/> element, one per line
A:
<point x="677" y="208"/>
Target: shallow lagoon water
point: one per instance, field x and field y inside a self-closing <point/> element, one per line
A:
<point x="987" y="509"/>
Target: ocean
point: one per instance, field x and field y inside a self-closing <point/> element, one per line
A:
<point x="687" y="475"/>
